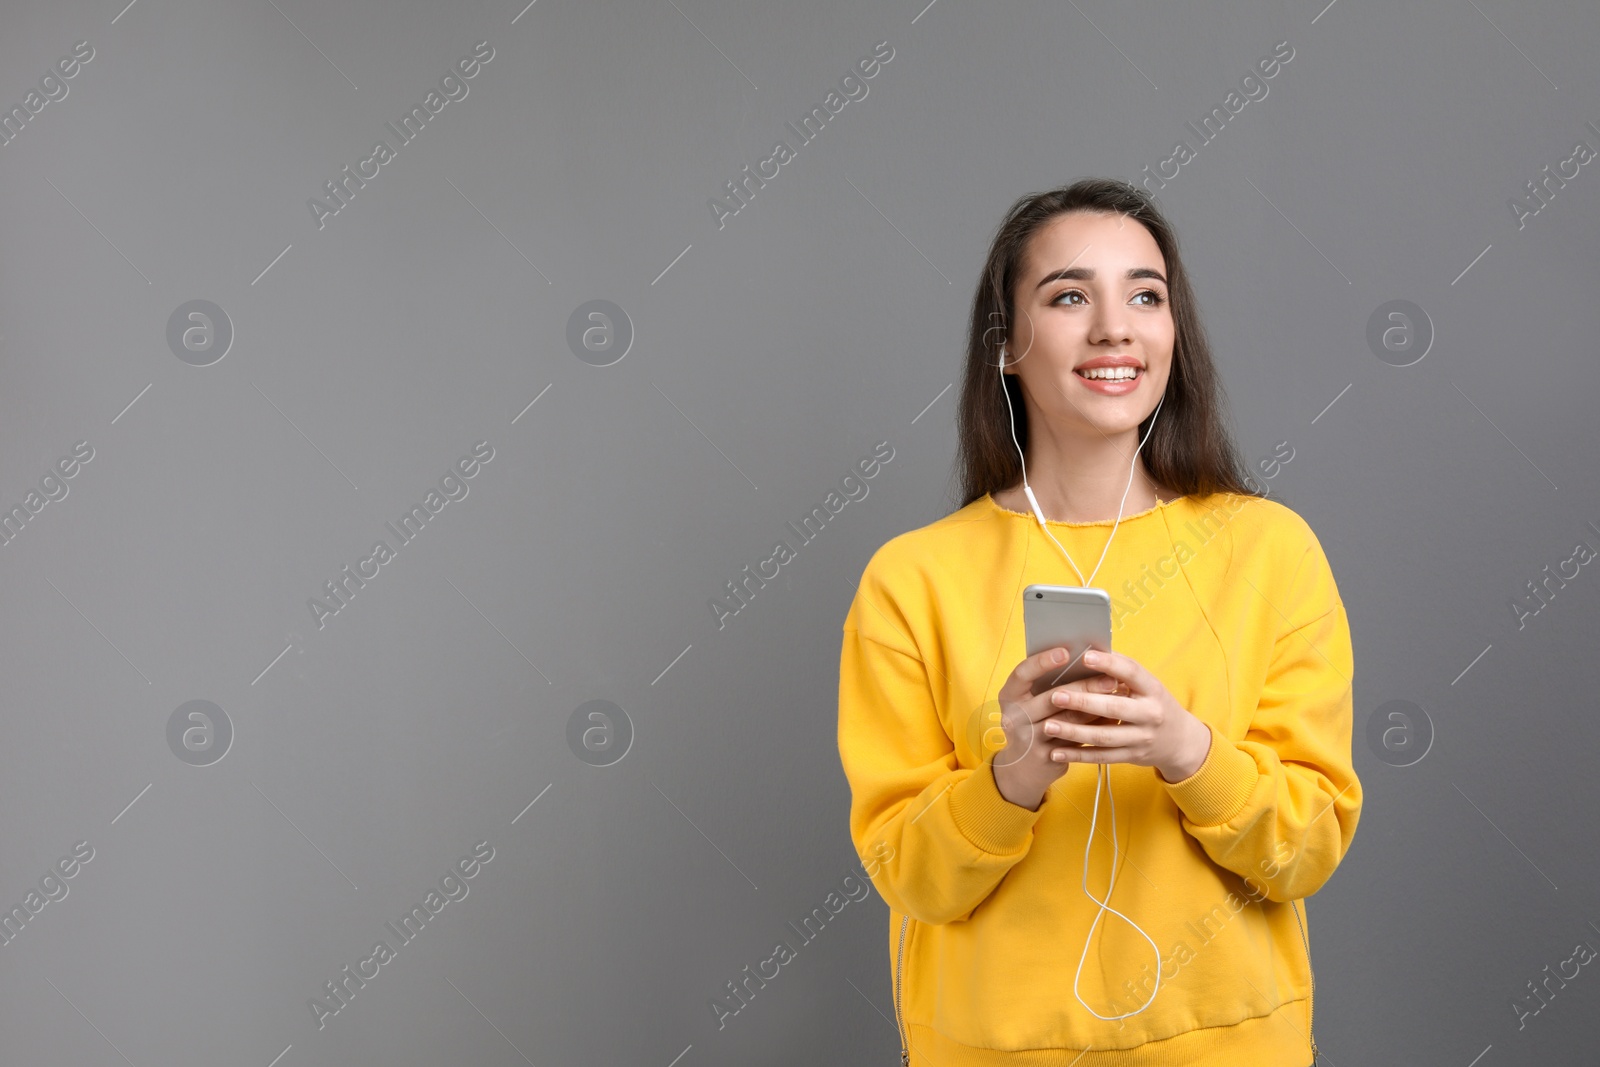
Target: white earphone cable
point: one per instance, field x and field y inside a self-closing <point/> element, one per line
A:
<point x="1102" y="772"/>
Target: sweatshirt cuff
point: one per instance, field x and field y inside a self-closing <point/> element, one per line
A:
<point x="1215" y="793"/>
<point x="987" y="819"/>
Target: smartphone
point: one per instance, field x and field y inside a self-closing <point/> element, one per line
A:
<point x="1070" y="615"/>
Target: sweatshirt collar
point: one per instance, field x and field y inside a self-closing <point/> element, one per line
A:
<point x="989" y="502"/>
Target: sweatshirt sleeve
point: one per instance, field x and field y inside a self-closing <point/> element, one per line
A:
<point x="1279" y="807"/>
<point x="939" y="836"/>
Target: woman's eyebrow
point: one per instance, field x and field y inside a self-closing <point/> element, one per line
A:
<point x="1087" y="274"/>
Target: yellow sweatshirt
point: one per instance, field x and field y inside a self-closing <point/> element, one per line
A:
<point x="1229" y="601"/>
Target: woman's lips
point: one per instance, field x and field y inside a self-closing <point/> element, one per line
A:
<point x="1110" y="388"/>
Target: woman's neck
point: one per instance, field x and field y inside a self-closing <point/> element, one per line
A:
<point x="1086" y="493"/>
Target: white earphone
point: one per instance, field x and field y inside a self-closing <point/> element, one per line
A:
<point x="1102" y="772"/>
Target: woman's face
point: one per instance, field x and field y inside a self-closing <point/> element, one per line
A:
<point x="1093" y="288"/>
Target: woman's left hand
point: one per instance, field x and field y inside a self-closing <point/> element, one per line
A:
<point x="1144" y="724"/>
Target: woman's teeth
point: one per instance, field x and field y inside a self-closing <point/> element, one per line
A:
<point x="1113" y="374"/>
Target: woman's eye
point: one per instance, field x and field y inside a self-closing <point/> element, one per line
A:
<point x="1155" y="301"/>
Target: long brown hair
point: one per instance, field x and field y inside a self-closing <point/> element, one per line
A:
<point x="1190" y="450"/>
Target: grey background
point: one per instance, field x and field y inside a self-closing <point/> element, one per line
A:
<point x="768" y="356"/>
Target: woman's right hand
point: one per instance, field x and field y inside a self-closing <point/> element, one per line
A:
<point x="1025" y="768"/>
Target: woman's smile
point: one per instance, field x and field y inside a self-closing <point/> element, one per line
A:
<point x="1110" y="376"/>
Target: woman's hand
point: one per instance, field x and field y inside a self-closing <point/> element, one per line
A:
<point x="1024" y="767"/>
<point x="1148" y="725"/>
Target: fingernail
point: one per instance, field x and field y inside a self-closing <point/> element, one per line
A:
<point x="1059" y="655"/>
<point x="1091" y="657"/>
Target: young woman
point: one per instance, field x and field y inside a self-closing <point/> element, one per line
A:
<point x="1093" y="453"/>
